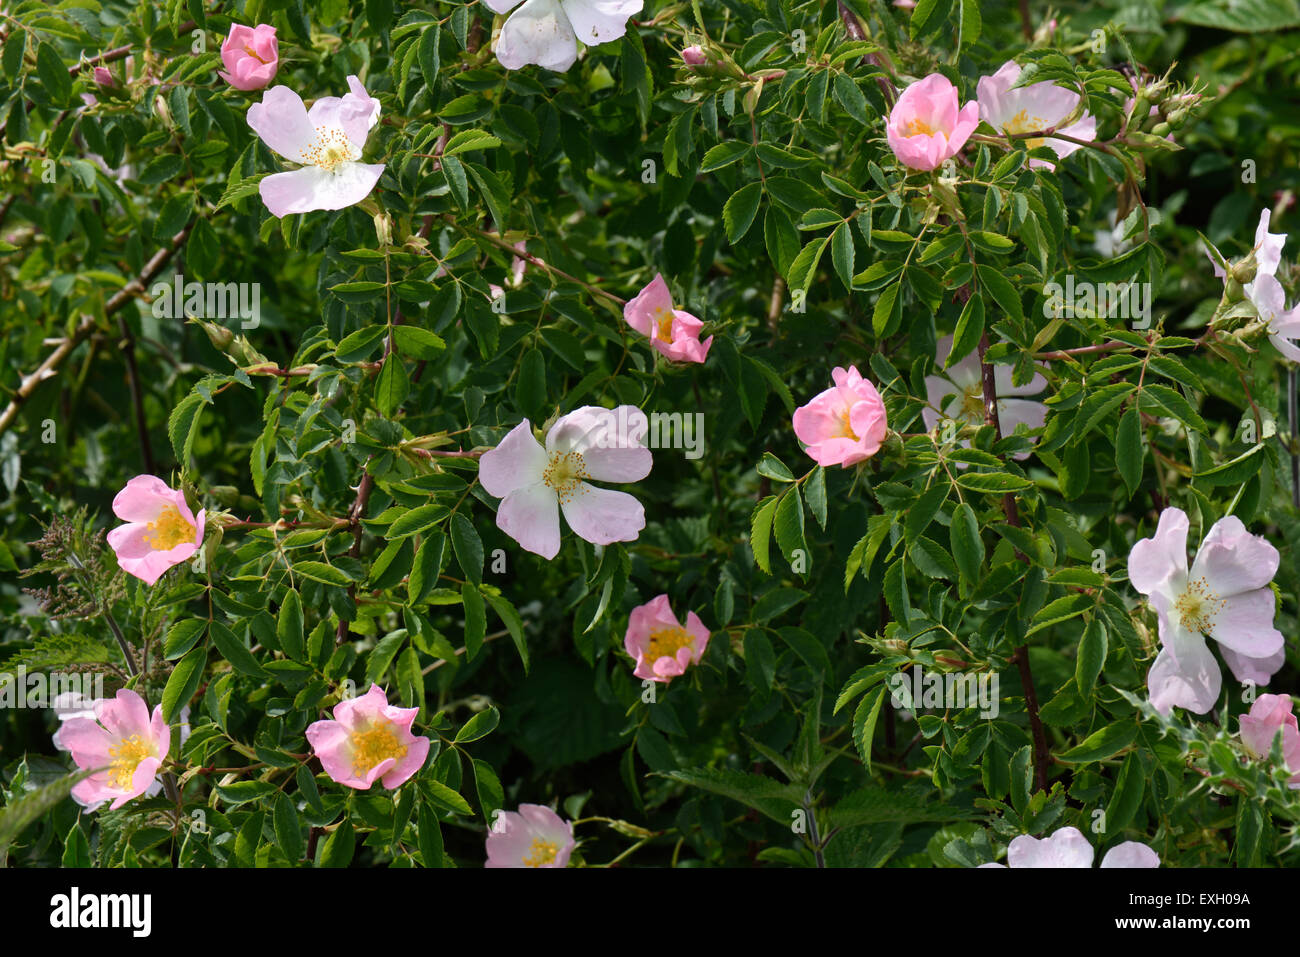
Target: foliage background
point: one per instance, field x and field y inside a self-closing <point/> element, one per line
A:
<point x="785" y="712"/>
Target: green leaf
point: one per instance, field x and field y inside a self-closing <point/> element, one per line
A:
<point x="416" y="520"/>
<point x="967" y="547"/>
<point x="183" y="682"/>
<point x="468" y="547"/>
<point x="234" y="650"/>
<point x="864" y="724"/>
<point x="760" y="532"/>
<point x="391" y="386"/>
<point x="739" y="211"/>
<point x="1129" y="450"/>
<point x="288" y="831"/>
<point x="475" y="619"/>
<point x="970" y="326"/>
<point x="1102" y="744"/>
<point x="182" y="636"/>
<point x="182" y="427"/>
<point x="320" y="572"/>
<point x="928" y="16"/>
<point x="1000" y="288"/>
<point x="339" y="846"/>
<point x="430" y="837"/>
<point x="54" y="75"/>
<point x="479" y="726"/>
<point x="1091" y="657"/>
<point x="289" y="627"/>
<point x="763" y="794"/>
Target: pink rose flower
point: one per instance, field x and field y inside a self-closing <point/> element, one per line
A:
<point x="533" y="836"/>
<point x="926" y="127"/>
<point x="124" y="741"/>
<point x="1269" y="715"/>
<point x="1266" y="293"/>
<point x="1225" y="597"/>
<point x="673" y="332"/>
<point x="693" y="56"/>
<point x="327" y="140"/>
<point x="845" y="424"/>
<point x="369" y="740"/>
<point x="958" y="394"/>
<point x="161" y="531"/>
<point x="1028" y="109"/>
<point x="536" y="483"/>
<point x="1067" y="847"/>
<point x="251" y="55"/>
<point x="663" y="649"/>
<point x="103" y="76"/>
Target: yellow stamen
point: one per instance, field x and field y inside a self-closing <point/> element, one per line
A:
<point x="1022" y="122"/>
<point x="251" y="52"/>
<point x="374" y="745"/>
<point x="127" y="755"/>
<point x="168" y="530"/>
<point x="664" y="324"/>
<point x="1197" y="606"/>
<point x="330" y="148"/>
<point x="565" y="473"/>
<point x="540" y="853"/>
<point x="666" y="642"/>
<point x="918" y="127"/>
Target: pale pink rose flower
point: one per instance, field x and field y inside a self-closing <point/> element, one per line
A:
<point x="251" y="55"/>
<point x="122" y="739"/>
<point x="546" y="32"/>
<point x="535" y="482"/>
<point x="693" y="56"/>
<point x="845" y="424"/>
<point x="533" y="836"/>
<point x="1225" y="597"/>
<point x="662" y="647"/>
<point x="905" y="4"/>
<point x="1268" y="251"/>
<point x="1029" y="109"/>
<point x="103" y="76"/>
<point x="1283" y="325"/>
<point x="1067" y="847"/>
<point x="958" y="394"/>
<point x="327" y="141"/>
<point x="161" y="531"/>
<point x="369" y="740"/>
<point x="1269" y="715"/>
<point x="926" y="127"/>
<point x="672" y="331"/>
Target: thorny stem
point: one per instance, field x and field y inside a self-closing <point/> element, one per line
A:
<point x="1021" y="656"/>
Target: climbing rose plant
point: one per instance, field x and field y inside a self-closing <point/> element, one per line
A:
<point x="577" y="432"/>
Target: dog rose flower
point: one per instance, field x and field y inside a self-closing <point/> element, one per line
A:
<point x="1270" y="714"/>
<point x="958" y="394"/>
<point x="327" y="141"/>
<point x="251" y="55"/>
<point x="546" y="32"/>
<point x="536" y="483"/>
<point x="673" y="332"/>
<point x="1225" y="597"/>
<point x="369" y="740"/>
<point x="161" y="531"/>
<point x="533" y="836"/>
<point x="125" y="741"/>
<point x="926" y="127"/>
<point x="1067" y="847"/>
<point x="845" y="424"/>
<point x="1028" y="109"/>
<point x="663" y="649"/>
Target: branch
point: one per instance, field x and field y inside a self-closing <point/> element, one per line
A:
<point x="1021" y="656"/>
<point x="87" y="325"/>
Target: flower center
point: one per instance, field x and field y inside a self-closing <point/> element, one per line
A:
<point x="1197" y="606"/>
<point x="1022" y="122"/>
<point x="371" y="747"/>
<point x="666" y="642"/>
<point x="168" y="530"/>
<point x="845" y="419"/>
<point x="127" y="755"/>
<point x="540" y="853"/>
<point x="564" y="473"/>
<point x="330" y="148"/>
<point x="918" y="127"/>
<point x="664" y="324"/>
<point x="251" y="52"/>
